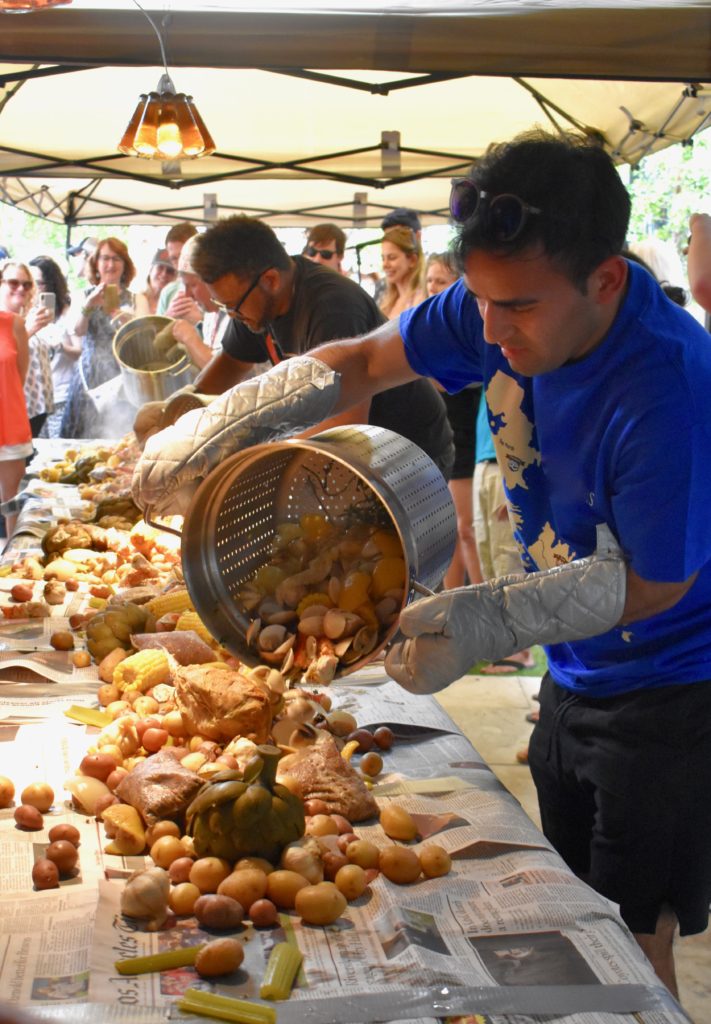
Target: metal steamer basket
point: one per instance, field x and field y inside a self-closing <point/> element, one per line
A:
<point x="350" y="474"/>
<point x="134" y="350"/>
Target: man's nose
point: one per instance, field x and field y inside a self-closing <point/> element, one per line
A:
<point x="497" y="323"/>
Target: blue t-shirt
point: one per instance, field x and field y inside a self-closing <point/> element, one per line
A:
<point x="623" y="436"/>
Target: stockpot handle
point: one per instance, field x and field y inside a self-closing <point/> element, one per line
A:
<point x="147" y="518"/>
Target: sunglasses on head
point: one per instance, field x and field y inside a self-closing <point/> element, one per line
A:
<point x="503" y="217"/>
<point x="12" y="282"/>
<point x="325" y="254"/>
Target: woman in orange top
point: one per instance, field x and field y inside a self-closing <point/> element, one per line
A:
<point x="15" y="433"/>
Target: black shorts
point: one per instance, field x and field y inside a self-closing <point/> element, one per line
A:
<point x="462" y="411"/>
<point x="624" y="787"/>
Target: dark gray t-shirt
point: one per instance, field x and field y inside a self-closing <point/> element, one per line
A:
<point x="327" y="306"/>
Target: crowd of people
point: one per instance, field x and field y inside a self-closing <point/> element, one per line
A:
<point x="69" y="349"/>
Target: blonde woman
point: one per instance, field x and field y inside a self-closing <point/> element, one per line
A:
<point x="404" y="269"/>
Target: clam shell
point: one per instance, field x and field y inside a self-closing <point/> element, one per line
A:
<point x="271" y="637"/>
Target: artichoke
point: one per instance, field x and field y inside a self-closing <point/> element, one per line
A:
<point x="113" y="627"/>
<point x="79" y="474"/>
<point x="74" y="534"/>
<point x="246" y="815"/>
<point x="121" y="505"/>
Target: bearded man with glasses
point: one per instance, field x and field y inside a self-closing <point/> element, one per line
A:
<point x="597" y="389"/>
<point x="282" y="306"/>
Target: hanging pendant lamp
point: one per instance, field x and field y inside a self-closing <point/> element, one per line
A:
<point x="166" y="125"/>
<point x="25" y="6"/>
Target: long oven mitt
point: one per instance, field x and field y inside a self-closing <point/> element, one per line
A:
<point x="295" y="394"/>
<point x="448" y="633"/>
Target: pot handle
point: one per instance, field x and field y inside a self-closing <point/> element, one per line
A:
<point x="147" y="518"/>
<point x="421" y="589"/>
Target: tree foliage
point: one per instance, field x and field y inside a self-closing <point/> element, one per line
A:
<point x="667" y="188"/>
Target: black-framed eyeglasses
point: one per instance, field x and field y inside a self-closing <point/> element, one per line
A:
<point x="503" y="217"/>
<point x="325" y="254"/>
<point x="233" y="309"/>
<point x="13" y="283"/>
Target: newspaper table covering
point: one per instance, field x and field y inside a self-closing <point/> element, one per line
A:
<point x="510" y="936"/>
<point x="508" y="933"/>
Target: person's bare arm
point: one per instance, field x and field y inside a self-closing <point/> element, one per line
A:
<point x="645" y="598"/>
<point x="221" y="374"/>
<point x="189" y="338"/>
<point x="22" y="344"/>
<point x="356" y="414"/>
<point x="367" y="365"/>
<point x="72" y="345"/>
<point x="699" y="259"/>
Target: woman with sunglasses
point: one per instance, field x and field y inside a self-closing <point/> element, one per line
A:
<point x="15" y="433"/>
<point x="106" y="304"/>
<point x="18" y="295"/>
<point x="404" y="269"/>
<point x="63" y="346"/>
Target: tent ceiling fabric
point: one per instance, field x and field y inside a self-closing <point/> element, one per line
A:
<point x="598" y="38"/>
<point x="296" y="150"/>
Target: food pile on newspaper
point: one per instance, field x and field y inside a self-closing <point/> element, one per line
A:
<point x="186" y="836"/>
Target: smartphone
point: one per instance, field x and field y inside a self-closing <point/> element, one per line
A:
<point x="111" y="298"/>
<point x="49" y="301"/>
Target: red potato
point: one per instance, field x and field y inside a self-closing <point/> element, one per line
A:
<point x="64" y="854"/>
<point x="45" y="874"/>
<point x="219" y="912"/>
<point x="28" y="818"/>
<point x="98" y="766"/>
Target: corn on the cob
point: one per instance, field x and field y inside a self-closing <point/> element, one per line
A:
<point x="142" y="671"/>
<point x="173" y="601"/>
<point x="282" y="968"/>
<point x="191" y="620"/>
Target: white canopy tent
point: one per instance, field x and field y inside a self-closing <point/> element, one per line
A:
<point x="421" y="92"/>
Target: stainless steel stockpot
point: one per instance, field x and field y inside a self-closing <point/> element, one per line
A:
<point x="354" y="473"/>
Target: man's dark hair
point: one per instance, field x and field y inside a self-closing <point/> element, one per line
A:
<point x="237" y="245"/>
<point x="320" y="234"/>
<point x="584" y="205"/>
<point x="180" y="232"/>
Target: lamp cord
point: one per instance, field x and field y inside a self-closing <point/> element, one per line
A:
<point x="157" y="32"/>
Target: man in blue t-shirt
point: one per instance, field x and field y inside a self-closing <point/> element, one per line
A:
<point x="597" y="388"/>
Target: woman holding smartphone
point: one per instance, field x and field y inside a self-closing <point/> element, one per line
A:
<point x="105" y="304"/>
<point x="39" y="394"/>
<point x="63" y="346"/>
<point x="15" y="435"/>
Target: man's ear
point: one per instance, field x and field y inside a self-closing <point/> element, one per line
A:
<point x="272" y="279"/>
<point x="609" y="280"/>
